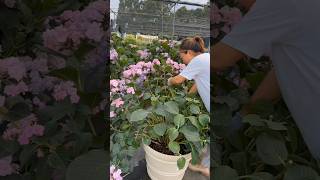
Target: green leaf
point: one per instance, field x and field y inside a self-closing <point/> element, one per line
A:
<point x="298" y="172"/>
<point x="204" y="119"/>
<point x="174" y="147"/>
<point x="57" y="111"/>
<point x="277" y="126"/>
<point x="83" y="142"/>
<point x="138" y="115"/>
<point x="146" y="141"/>
<point x="89" y="166"/>
<point x="262" y="176"/>
<point x="253" y="120"/>
<point x="172" y="107"/>
<point x="90" y="99"/>
<point x="194" y="122"/>
<point x="263" y="108"/>
<point x="181" y="163"/>
<point x="173" y="133"/>
<point x="194" y="109"/>
<point x="179" y="120"/>
<point x="224" y="173"/>
<point x="230" y="101"/>
<point x="160" y="129"/>
<point x="239" y="161"/>
<point x="160" y="110"/>
<point x="83" y="49"/>
<point x="146" y="96"/>
<point x="26" y="154"/>
<point x="191" y="133"/>
<point x="195" y="156"/>
<point x="19" y="110"/>
<point x="223" y="116"/>
<point x="43" y="169"/>
<point x="68" y="74"/>
<point x="271" y="150"/>
<point x="55" y="161"/>
<point x="10" y="147"/>
<point x="255" y="79"/>
<point x="27" y="12"/>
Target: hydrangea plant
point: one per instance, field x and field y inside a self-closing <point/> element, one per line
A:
<point x="144" y="109"/>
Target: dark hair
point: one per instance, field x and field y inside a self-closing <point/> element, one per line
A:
<point x="195" y="44"/>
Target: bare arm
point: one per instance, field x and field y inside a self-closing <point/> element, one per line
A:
<point x="176" y="80"/>
<point x="193" y="89"/>
<point x="268" y="90"/>
<point x="224" y="56"/>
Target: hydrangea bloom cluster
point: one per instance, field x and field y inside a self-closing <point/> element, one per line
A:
<point x="10" y="3"/>
<point x="178" y="67"/>
<point x="64" y="89"/>
<point x="118" y="86"/>
<point x="29" y="75"/>
<point x="172" y="43"/>
<point x="140" y="70"/>
<point x="115" y="174"/>
<point x="13" y="67"/>
<point x="16" y="89"/>
<point x="144" y="54"/>
<point x="75" y="26"/>
<point x="113" y="55"/>
<point x="228" y="16"/>
<point x="23" y="130"/>
<point x="7" y="167"/>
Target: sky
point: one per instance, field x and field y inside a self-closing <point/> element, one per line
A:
<point x="114" y="5"/>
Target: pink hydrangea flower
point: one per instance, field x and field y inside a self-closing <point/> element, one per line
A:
<point x="130" y="90"/>
<point x="113" y="55"/>
<point x="117" y="102"/>
<point x="127" y="73"/>
<point x="115" y="174"/>
<point x="65" y="89"/>
<point x="75" y="26"/>
<point x="23" y="130"/>
<point x="112" y="114"/>
<point x="143" y="54"/>
<point x="156" y="61"/>
<point x="94" y="32"/>
<point x="114" y="83"/>
<point x="7" y="167"/>
<point x="14" y="67"/>
<point x="10" y="3"/>
<point x="40" y="153"/>
<point x="13" y="90"/>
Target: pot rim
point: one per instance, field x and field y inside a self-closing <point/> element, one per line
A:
<point x="173" y="157"/>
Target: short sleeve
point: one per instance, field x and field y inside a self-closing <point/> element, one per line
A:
<point x="192" y="69"/>
<point x="267" y="22"/>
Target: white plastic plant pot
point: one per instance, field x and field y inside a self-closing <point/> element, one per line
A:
<point x="164" y="167"/>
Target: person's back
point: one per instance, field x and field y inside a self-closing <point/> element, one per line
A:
<point x="291" y="28"/>
<point x="202" y="62"/>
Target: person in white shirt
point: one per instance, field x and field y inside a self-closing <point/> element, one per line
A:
<point x="289" y="29"/>
<point x="193" y="53"/>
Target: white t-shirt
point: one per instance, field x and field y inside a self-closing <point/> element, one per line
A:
<point x="199" y="70"/>
<point x="292" y="29"/>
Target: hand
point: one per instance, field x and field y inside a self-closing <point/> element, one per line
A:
<point x="169" y="82"/>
